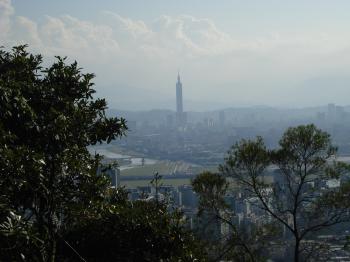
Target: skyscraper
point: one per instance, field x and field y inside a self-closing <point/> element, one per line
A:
<point x="222" y="118"/>
<point x="180" y="118"/>
<point x="179" y="106"/>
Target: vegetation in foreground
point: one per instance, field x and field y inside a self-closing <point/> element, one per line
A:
<point x="293" y="202"/>
<point x="54" y="205"/>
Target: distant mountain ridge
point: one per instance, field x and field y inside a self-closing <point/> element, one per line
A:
<point x="160" y="115"/>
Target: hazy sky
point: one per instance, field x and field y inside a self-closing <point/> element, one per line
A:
<point x="229" y="53"/>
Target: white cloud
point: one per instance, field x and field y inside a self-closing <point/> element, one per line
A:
<point x="147" y="55"/>
<point x="6" y="11"/>
<point x="167" y="37"/>
<point x="72" y="36"/>
<point x="121" y="24"/>
<point x="26" y="31"/>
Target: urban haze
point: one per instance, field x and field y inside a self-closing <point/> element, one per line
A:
<point x="187" y="130"/>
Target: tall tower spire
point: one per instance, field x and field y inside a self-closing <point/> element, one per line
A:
<point x="179" y="104"/>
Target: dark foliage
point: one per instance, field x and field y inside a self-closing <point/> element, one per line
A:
<point x="133" y="231"/>
<point x="53" y="203"/>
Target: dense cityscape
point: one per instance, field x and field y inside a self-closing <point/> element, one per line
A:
<point x="194" y="142"/>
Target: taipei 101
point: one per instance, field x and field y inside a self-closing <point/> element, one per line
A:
<point x="187" y="130"/>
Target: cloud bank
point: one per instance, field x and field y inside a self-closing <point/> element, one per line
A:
<point x="136" y="62"/>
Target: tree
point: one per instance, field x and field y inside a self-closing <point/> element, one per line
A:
<point x="56" y="204"/>
<point x="213" y="211"/>
<point x="211" y="189"/>
<point x="295" y="200"/>
<point x="48" y="118"/>
<point x="132" y="231"/>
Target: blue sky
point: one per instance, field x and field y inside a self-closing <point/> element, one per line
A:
<point x="230" y="53"/>
<point x="252" y="16"/>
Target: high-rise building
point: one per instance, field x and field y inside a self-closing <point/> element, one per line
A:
<point x="222" y="118"/>
<point x="180" y="115"/>
<point x="169" y="121"/>
<point x="179" y="105"/>
<point x="339" y="113"/>
<point x="114" y="175"/>
<point x="331" y="112"/>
